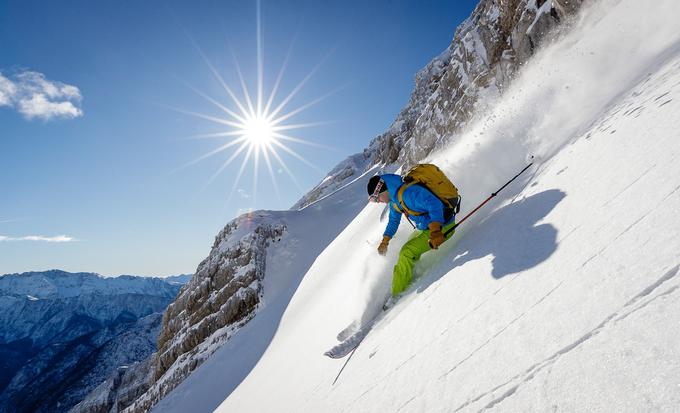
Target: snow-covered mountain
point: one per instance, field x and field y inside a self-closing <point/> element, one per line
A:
<point x="62" y="334"/>
<point x="560" y="295"/>
<point x="563" y="294"/>
<point x="229" y="291"/>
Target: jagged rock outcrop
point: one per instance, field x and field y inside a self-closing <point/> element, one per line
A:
<point x="223" y="295"/>
<point x="486" y="51"/>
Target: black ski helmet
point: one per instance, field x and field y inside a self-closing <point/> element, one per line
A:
<point x="373" y="182"/>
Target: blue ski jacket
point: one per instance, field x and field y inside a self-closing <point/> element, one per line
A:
<point x="417" y="198"/>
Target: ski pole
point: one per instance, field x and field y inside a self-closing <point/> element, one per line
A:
<point x="453" y="228"/>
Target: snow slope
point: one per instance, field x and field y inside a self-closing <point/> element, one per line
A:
<point x="561" y="295"/>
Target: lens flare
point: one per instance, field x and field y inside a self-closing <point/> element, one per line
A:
<point x="257" y="127"/>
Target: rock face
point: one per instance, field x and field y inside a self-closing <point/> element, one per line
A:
<point x="62" y="334"/>
<point x="226" y="289"/>
<point x="486" y="51"/>
<point x="223" y="295"/>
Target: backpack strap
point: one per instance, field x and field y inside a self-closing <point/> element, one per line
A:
<point x="396" y="208"/>
<point x="449" y="211"/>
<point x="402" y="204"/>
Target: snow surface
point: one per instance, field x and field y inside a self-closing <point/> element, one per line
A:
<point x="562" y="295"/>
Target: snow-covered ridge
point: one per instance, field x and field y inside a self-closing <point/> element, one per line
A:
<point x="249" y="276"/>
<point x="224" y="295"/>
<point x="25" y="299"/>
<point x="62" y="284"/>
<point x="68" y="331"/>
<point x="339" y="176"/>
<point x="487" y="50"/>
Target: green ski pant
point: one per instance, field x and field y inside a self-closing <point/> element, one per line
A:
<point x="416" y="246"/>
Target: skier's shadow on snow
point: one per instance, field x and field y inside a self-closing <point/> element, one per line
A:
<point x="511" y="235"/>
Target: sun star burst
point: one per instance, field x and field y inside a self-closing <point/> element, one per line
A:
<point x="258" y="131"/>
<point x="256" y="127"/>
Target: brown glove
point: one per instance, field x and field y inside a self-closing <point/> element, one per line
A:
<point x="436" y="235"/>
<point x="382" y="249"/>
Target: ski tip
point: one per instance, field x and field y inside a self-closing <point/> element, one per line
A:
<point x="341" y="352"/>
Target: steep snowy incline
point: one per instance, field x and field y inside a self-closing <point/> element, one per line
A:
<point x="306" y="233"/>
<point x="562" y="295"/>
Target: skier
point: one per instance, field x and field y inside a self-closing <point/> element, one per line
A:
<point x="421" y="206"/>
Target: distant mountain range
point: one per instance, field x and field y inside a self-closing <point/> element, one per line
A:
<point x="62" y="334"/>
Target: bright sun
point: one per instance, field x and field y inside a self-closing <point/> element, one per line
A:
<point x="258" y="131"/>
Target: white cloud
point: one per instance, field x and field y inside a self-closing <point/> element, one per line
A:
<point x="34" y="96"/>
<point x="39" y="107"/>
<point x="7" y="90"/>
<point x="243" y="193"/>
<point x="39" y="238"/>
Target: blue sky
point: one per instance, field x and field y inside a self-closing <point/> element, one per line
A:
<point x="92" y="146"/>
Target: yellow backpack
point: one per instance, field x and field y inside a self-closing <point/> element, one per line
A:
<point x="433" y="179"/>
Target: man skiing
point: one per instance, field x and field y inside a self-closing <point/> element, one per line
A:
<point x="425" y="195"/>
<point x="426" y="212"/>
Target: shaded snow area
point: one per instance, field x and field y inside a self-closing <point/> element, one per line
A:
<point x="560" y="295"/>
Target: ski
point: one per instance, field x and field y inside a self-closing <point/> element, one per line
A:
<point x="345" y="347"/>
<point x="348" y="331"/>
<point x="352" y="335"/>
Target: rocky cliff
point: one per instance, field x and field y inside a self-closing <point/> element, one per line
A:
<point x="486" y="51"/>
<point x="223" y="295"/>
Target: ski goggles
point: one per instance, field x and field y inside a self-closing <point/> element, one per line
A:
<point x="376" y="192"/>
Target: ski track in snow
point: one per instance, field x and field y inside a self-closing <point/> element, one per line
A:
<point x="511" y="386"/>
<point x="517" y="381"/>
<point x="464" y="360"/>
<point x="629" y="308"/>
